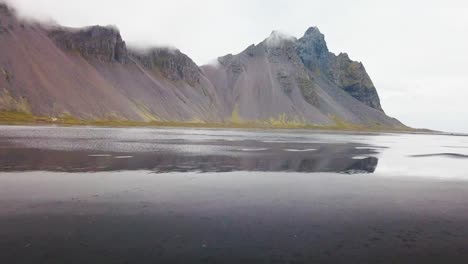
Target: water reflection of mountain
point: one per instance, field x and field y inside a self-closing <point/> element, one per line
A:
<point x="323" y="158"/>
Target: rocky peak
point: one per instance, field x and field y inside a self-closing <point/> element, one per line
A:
<point x="313" y="38"/>
<point x="96" y="42"/>
<point x="314" y="32"/>
<point x="313" y="50"/>
<point x="172" y="63"/>
<point x="278" y="47"/>
<point x="348" y="75"/>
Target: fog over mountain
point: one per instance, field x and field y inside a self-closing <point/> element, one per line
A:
<point x="414" y="51"/>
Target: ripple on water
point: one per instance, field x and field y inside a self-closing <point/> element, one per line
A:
<point x="253" y="149"/>
<point x="446" y="155"/>
<point x="300" y="150"/>
<point x="359" y="158"/>
<point x="123" y="157"/>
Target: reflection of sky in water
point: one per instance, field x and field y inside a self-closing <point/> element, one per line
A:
<point x="398" y="160"/>
<point x="166" y="150"/>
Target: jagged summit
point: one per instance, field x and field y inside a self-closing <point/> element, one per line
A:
<point x="313" y="37"/>
<point x="313" y="49"/>
<point x="313" y="31"/>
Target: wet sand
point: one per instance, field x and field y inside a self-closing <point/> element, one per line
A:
<point x="137" y="217"/>
<point x="248" y="214"/>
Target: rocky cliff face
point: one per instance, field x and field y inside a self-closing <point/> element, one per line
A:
<point x="349" y="75"/>
<point x="90" y="73"/>
<point x="172" y="63"/>
<point x="352" y="77"/>
<point x="313" y="51"/>
<point x="102" y="43"/>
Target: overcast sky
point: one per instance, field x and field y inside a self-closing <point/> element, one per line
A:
<point x="415" y="51"/>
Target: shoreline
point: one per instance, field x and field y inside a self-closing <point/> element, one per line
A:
<point x="19" y="119"/>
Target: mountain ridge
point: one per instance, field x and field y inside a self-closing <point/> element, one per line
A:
<point x="90" y="74"/>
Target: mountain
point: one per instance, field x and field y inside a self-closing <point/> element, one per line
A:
<point x="91" y="74"/>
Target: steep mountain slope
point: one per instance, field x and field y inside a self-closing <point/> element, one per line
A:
<point x="91" y="74"/>
<point x="297" y="81"/>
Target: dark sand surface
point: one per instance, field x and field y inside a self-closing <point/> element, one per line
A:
<point x="399" y="209"/>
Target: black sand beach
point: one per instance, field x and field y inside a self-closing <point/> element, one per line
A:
<point x="89" y="195"/>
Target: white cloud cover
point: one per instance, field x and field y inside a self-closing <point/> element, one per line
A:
<point x="415" y="51"/>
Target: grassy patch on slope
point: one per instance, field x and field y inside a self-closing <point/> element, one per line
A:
<point x="21" y="118"/>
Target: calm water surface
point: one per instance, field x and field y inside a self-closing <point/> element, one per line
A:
<point x="144" y="195"/>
